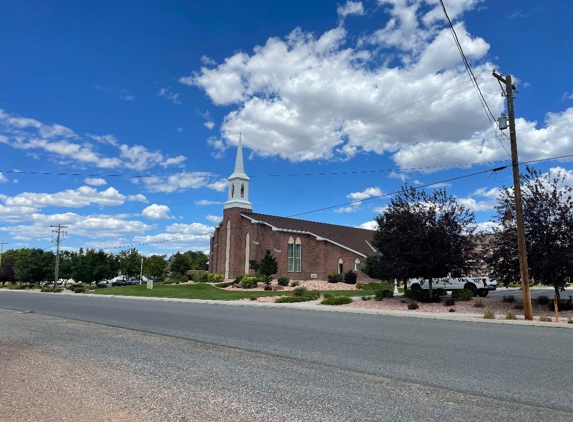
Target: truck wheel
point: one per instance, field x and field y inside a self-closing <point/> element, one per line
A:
<point x="471" y="288"/>
<point x="415" y="287"/>
<point x="483" y="293"/>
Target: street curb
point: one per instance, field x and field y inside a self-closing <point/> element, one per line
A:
<point x="312" y="306"/>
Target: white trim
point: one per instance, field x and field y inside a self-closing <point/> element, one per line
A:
<point x="372" y="247"/>
<point x="319" y="238"/>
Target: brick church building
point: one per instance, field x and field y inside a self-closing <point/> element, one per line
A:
<point x="304" y="249"/>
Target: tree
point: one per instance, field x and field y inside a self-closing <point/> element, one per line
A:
<point x="155" y="265"/>
<point x="422" y="235"/>
<point x="266" y="266"/>
<point x="180" y="263"/>
<point x="130" y="262"/>
<point x="7" y="270"/>
<point x="93" y="266"/>
<point x="34" y="265"/>
<point x="198" y="260"/>
<point x="547" y="203"/>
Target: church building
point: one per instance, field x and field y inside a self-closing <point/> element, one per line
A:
<point x="304" y="250"/>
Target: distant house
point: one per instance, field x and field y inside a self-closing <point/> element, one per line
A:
<point x="304" y="249"/>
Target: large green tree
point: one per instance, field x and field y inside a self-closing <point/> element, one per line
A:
<point x="34" y="265"/>
<point x="422" y="234"/>
<point x="155" y="265"/>
<point x="547" y="202"/>
<point x="93" y="265"/>
<point x="198" y="260"/>
<point x="179" y="263"/>
<point x="130" y="262"/>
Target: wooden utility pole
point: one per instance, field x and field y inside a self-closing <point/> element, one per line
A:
<point x="57" y="270"/>
<point x="527" y="309"/>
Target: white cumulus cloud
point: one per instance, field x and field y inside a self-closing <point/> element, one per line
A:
<point x="156" y="212"/>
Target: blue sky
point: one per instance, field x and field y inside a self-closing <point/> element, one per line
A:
<point x="104" y="93"/>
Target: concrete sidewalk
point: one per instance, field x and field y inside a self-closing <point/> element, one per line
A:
<point x="314" y="305"/>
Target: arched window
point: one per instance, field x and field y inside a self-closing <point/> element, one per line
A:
<point x="233" y="190"/>
<point x="294" y="255"/>
<point x="340" y="266"/>
<point x="242" y="190"/>
<point x="356" y="264"/>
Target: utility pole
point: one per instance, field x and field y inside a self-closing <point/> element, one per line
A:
<point x="57" y="270"/>
<point x="509" y="88"/>
<point x="141" y="272"/>
<point x="1" y="250"/>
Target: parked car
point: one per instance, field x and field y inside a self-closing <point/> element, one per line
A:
<point x="119" y="283"/>
<point x="480" y="286"/>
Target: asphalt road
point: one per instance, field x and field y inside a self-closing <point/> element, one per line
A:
<point x="407" y="368"/>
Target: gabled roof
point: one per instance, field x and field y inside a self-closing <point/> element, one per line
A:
<point x="351" y="238"/>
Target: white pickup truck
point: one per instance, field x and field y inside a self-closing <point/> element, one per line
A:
<point x="477" y="285"/>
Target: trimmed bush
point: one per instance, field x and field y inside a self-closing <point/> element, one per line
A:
<point x="253" y="298"/>
<point x="489" y="314"/>
<point x="239" y="278"/>
<point x="449" y="301"/>
<point x="365" y="298"/>
<point x="508" y="299"/>
<point x="479" y="304"/>
<point x="224" y="284"/>
<point x="80" y="289"/>
<point x="335" y="278"/>
<point x="283" y="281"/>
<point x="214" y="278"/>
<point x="350" y="277"/>
<point x="510" y="315"/>
<point x="314" y="294"/>
<point x="300" y="291"/>
<point x="249" y="282"/>
<point x="327" y="295"/>
<point x="292" y="299"/>
<point x="338" y="300"/>
<point x="204" y="278"/>
<point x="295" y="283"/>
<point x="424" y="295"/>
<point x="545" y="318"/>
<point x="268" y="287"/>
<point x="462" y="294"/>
<point x="542" y="300"/>
<point x="383" y="294"/>
<point x="360" y="285"/>
<point x="20" y="286"/>
<point x="413" y="306"/>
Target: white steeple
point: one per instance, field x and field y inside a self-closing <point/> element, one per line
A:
<point x="238" y="195"/>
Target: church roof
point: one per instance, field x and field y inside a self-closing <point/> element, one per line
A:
<point x="355" y="239"/>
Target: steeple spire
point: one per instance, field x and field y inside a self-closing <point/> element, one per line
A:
<point x="238" y="195"/>
<point x="239" y="167"/>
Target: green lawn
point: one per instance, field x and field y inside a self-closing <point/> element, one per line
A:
<point x="203" y="291"/>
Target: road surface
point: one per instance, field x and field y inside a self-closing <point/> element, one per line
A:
<point x="191" y="361"/>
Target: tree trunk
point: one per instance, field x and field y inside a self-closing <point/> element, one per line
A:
<point x="430" y="288"/>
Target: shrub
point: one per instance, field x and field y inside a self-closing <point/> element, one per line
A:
<point x="365" y="298"/>
<point x="519" y="306"/>
<point x="360" y="285"/>
<point x="224" y="284"/>
<point x="300" y="291"/>
<point x="335" y="278"/>
<point x="542" y="300"/>
<point x="510" y="315"/>
<point x="452" y="310"/>
<point x="383" y="294"/>
<point x="350" y="277"/>
<point x="489" y="314"/>
<point x="295" y="283"/>
<point x="239" y="278"/>
<point x="508" y="298"/>
<point x="292" y="299"/>
<point x="79" y="289"/>
<point x="204" y="277"/>
<point x="20" y="286"/>
<point x="479" y="304"/>
<point x="268" y="287"/>
<point x="170" y="281"/>
<point x="253" y="298"/>
<point x="462" y="294"/>
<point x="314" y="294"/>
<point x="283" y="281"/>
<point x="47" y="289"/>
<point x="449" y="301"/>
<point x="413" y="306"/>
<point x="214" y="277"/>
<point x="338" y="300"/>
<point x="564" y="305"/>
<point x="545" y="318"/>
<point x="249" y="282"/>
<point x="327" y="295"/>
<point x="424" y="296"/>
